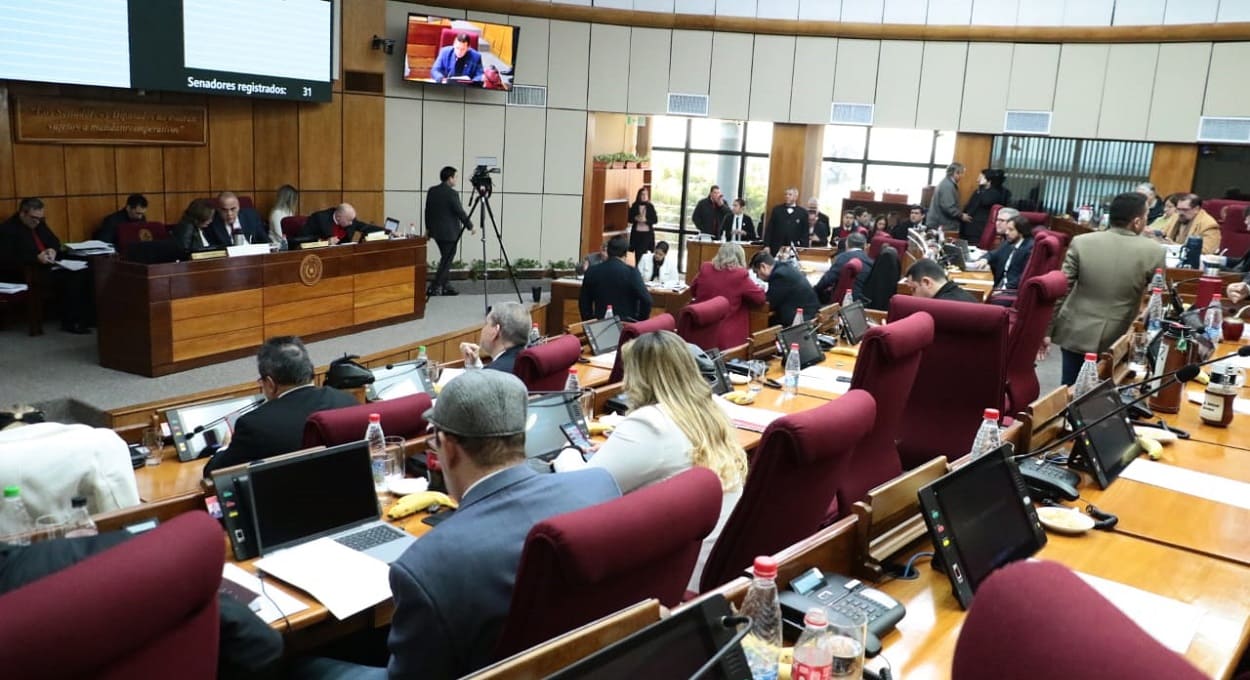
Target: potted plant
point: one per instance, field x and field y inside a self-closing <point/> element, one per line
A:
<point x="562" y="268"/>
<point x="644" y="162"/>
<point x="528" y="268"/>
<point x="631" y="161"/>
<point x="602" y="161"/>
<point x="618" y="161"/>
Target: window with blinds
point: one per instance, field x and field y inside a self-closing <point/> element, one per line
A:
<point x="1058" y="175"/>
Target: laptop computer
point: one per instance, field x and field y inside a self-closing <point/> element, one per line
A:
<point x="391" y="225"/>
<point x="603" y="334"/>
<point x="325" y="493"/>
<point x="547" y="412"/>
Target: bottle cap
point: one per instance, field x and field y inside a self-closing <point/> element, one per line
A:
<point x="1215" y="297"/>
<point x="794" y="345"/>
<point x="991" y="414"/>
<point x="78" y="502"/>
<point x="12" y="491"/>
<point x="816" y="618"/>
<point x="572" y="370"/>
<point x="1090" y="356"/>
<point x="421" y="348"/>
<point x="798" y="310"/>
<point x="765" y="567"/>
<point x="1158" y="270"/>
<point x="375" y="417"/>
<point x="1156" y="289"/>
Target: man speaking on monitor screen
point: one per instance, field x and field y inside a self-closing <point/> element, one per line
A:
<point x="457" y="61"/>
<point x="444" y="218"/>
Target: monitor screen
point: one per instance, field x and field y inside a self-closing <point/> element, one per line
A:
<point x="1108" y="447"/>
<point x="604" y="334"/>
<point x="184" y="420"/>
<point x="456" y="52"/>
<point x="546" y="413"/>
<point x="398" y="380"/>
<point x="854" y="322"/>
<point x="804" y="336"/>
<point x="311" y="495"/>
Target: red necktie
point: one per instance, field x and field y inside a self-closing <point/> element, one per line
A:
<point x="39" y="247"/>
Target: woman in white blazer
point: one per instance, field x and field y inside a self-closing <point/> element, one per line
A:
<point x="658" y="266"/>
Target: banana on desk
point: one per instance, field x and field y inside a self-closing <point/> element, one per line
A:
<point x="416" y="502"/>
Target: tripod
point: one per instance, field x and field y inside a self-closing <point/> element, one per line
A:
<point x="482" y="189"/>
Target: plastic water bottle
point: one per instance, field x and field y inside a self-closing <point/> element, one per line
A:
<point x="79" y="524"/>
<point x="987" y="438"/>
<point x="848" y="299"/>
<point x="1087" y="379"/>
<point x="572" y="384"/>
<point x="790" y="383"/>
<point x="16" y="525"/>
<point x="1158" y="282"/>
<point x="1154" y="311"/>
<point x="798" y="317"/>
<point x="762" y="645"/>
<point x="377" y="451"/>
<point x="607" y="313"/>
<point x="813" y="653"/>
<point x="1213" y="319"/>
<point x="536" y="335"/>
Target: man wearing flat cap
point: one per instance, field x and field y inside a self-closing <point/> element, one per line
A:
<point x="453" y="587"/>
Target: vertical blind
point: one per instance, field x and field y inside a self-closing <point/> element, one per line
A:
<point x="1058" y="175"/>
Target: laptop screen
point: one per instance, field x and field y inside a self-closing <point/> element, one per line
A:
<point x="313" y="495"/>
<point x="547" y="412"/>
<point x="391" y="225"/>
<point x="604" y="335"/>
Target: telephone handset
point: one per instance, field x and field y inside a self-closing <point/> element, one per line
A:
<point x="816" y="588"/>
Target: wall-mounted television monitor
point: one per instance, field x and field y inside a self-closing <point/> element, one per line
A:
<point x="455" y="52"/>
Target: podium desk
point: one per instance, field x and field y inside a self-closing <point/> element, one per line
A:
<point x="565" y="293"/>
<point x="163" y="318"/>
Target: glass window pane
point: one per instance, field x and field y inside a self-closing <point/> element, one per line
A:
<point x="666" y="186"/>
<point x="707" y="169"/>
<point x="944" y="148"/>
<point x="896" y="144"/>
<point x="759" y="137"/>
<point x="845" y="141"/>
<point x="668" y="131"/>
<point x="755" y="186"/>
<point x="715" y="135"/>
<point x="836" y="182"/>
<point x="897" y="179"/>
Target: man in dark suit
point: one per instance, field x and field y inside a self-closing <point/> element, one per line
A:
<point x="135" y="210"/>
<point x="818" y="227"/>
<point x="231" y="219"/>
<point x="928" y="280"/>
<point x="502" y="337"/>
<point x="457" y="60"/>
<point x="855" y="244"/>
<point x="737" y="226"/>
<point x="614" y="284"/>
<point x="26" y="241"/>
<point x="1007" y="261"/>
<point x="915" y="221"/>
<point x="710" y="212"/>
<point x="445" y="219"/>
<point x="787" y="224"/>
<point x="277" y="426"/>
<point x="788" y="290"/>
<point x="944" y="212"/>
<point x="335" y="224"/>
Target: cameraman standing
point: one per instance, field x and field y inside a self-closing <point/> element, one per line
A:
<point x="444" y="218"/>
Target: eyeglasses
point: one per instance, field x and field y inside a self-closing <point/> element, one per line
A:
<point x="435" y="441"/>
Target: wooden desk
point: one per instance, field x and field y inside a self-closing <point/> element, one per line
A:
<point x="171" y="478"/>
<point x="563" y="310"/>
<point x="698" y="252"/>
<point x="158" y="319"/>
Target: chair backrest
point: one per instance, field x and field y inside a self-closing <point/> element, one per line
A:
<point x="882" y="282"/>
<point x="989" y="234"/>
<point x="179" y="629"/>
<point x="889" y="358"/>
<point x="633" y="329"/>
<point x="448" y="36"/>
<point x="129" y="233"/>
<point x="293" y="225"/>
<point x="700" y="323"/>
<point x="545" y="367"/>
<point x="846" y="278"/>
<point x="1011" y="602"/>
<point x="887" y="197"/>
<point x="583" y="565"/>
<point x="881" y="240"/>
<point x="961" y="374"/>
<point x="857" y="195"/>
<point x="402" y="417"/>
<point x="1035" y="306"/>
<point x="1046" y="256"/>
<point x="793" y="478"/>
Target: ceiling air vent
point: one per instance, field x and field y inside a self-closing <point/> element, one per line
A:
<point x="1027" y="122"/>
<point x="1212" y="129"/>
<point x="687" y="104"/>
<point x="847" y="113"/>
<point x="528" y="95"/>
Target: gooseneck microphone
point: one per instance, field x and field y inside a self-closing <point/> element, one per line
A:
<point x="217" y="421"/>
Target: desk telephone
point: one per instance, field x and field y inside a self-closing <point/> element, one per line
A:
<point x="816" y="588"/>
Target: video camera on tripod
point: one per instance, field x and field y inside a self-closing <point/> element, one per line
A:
<point x="481" y="181"/>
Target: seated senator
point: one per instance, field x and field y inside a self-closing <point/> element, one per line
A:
<point x="613" y="283"/>
<point x="788" y="290"/>
<point x="928" y="280"/>
<point x="335" y="224"/>
<point x="195" y="231"/>
<point x="457" y="60"/>
<point x="1007" y="261"/>
<point x="855" y="244"/>
<point x="135" y="210"/>
<point x="658" y="266"/>
<point x="230" y="219"/>
<point x="26" y="242"/>
<point x="502" y="337"/>
<point x="277" y="426"/>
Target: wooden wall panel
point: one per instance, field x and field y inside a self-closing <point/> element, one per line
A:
<point x="186" y="169"/>
<point x="230" y="134"/>
<point x="84" y="213"/>
<point x="39" y="170"/>
<point x="321" y="146"/>
<point x="789" y="155"/>
<point x="156" y="207"/>
<point x="176" y="203"/>
<point x="90" y="170"/>
<point x="6" y="146"/>
<point x="275" y="143"/>
<point x="370" y="205"/>
<point x="362" y="19"/>
<point x="974" y="152"/>
<point x="364" y="148"/>
<point x="1172" y="167"/>
<point x="54" y="213"/>
<point x="139" y="170"/>
<point x="312" y="201"/>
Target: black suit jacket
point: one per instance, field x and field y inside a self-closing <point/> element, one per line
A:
<point x="17" y="246"/>
<point x="185" y="236"/>
<point x="614" y="283"/>
<point x="107" y="231"/>
<point x="249" y="220"/>
<point x="707" y="216"/>
<point x="444" y="215"/>
<point x="727" y="227"/>
<point x="788" y="291"/>
<point x="998" y="260"/>
<point x="820" y="232"/>
<point x="787" y="225"/>
<point x="277" y="426"/>
<point x="321" y="225"/>
<point x="506" y="359"/>
<point x="951" y="291"/>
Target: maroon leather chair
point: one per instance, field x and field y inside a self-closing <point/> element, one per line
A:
<point x="961" y="374"/>
<point x="793" y="478"/>
<point x="846" y="279"/>
<point x="583" y="565"/>
<point x="129" y="233"/>
<point x="1231" y="216"/>
<point x="402" y="417"/>
<point x="1031" y="319"/>
<point x="629" y="331"/>
<point x="1046" y="256"/>
<point x="545" y="367"/>
<point x="989" y="236"/>
<point x="293" y="225"/>
<point x="881" y="240"/>
<point x="101" y="619"/>
<point x="700" y="323"/>
<point x="1002" y="636"/>
<point x="889" y="358"/>
<point x="448" y="36"/>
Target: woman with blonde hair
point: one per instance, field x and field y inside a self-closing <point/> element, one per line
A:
<point x="726" y="276"/>
<point x="672" y="426"/>
<point x="287" y="205"/>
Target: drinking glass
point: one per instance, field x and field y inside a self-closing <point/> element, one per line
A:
<point x="49" y="527"/>
<point x="847" y="643"/>
<point x="755" y="375"/>
<point x="433" y="371"/>
<point x="1233" y="329"/>
<point x="1141" y="341"/>
<point x="586" y="400"/>
<point x="152" y="440"/>
<point x="397" y="459"/>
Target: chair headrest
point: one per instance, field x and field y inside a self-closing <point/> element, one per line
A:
<point x="829" y="429"/>
<point x="902" y="338"/>
<point x="662" y="322"/>
<point x="951" y="315"/>
<point x="1051" y="285"/>
<point x="708" y="312"/>
<point x="852" y="267"/>
<point x="554" y="355"/>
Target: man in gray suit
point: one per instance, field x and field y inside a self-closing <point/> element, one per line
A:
<point x="444" y="217"/>
<point x="944" y="212"/>
<point x="1107" y="273"/>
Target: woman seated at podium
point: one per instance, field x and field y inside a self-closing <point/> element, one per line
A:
<point x="658" y="266"/>
<point x="195" y="230"/>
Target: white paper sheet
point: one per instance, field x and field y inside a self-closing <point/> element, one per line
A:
<point x="447" y="376"/>
<point x="606" y="360"/>
<point x="824" y="379"/>
<point x="1171" y="622"/>
<point x="72" y="265"/>
<point x="748" y="417"/>
<point x="1189" y="482"/>
<point x="12" y="287"/>
<point x="273" y="602"/>
<point x="90" y="245"/>
<point x="1240" y="405"/>
<point x="346" y="581"/>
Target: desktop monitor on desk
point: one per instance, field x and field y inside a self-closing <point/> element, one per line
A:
<point x="1105" y="449"/>
<point x="215" y="421"/>
<point x="546" y="412"/>
<point x="604" y="335"/>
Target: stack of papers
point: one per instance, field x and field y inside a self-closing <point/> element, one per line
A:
<point x="10" y="288"/>
<point x="1189" y="482"/>
<point x="606" y="361"/>
<point x="72" y="265"/>
<point x="346" y="581"/>
<point x="1171" y="622"/>
<point x="90" y="248"/>
<point x="272" y="604"/>
<point x="748" y="417"/>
